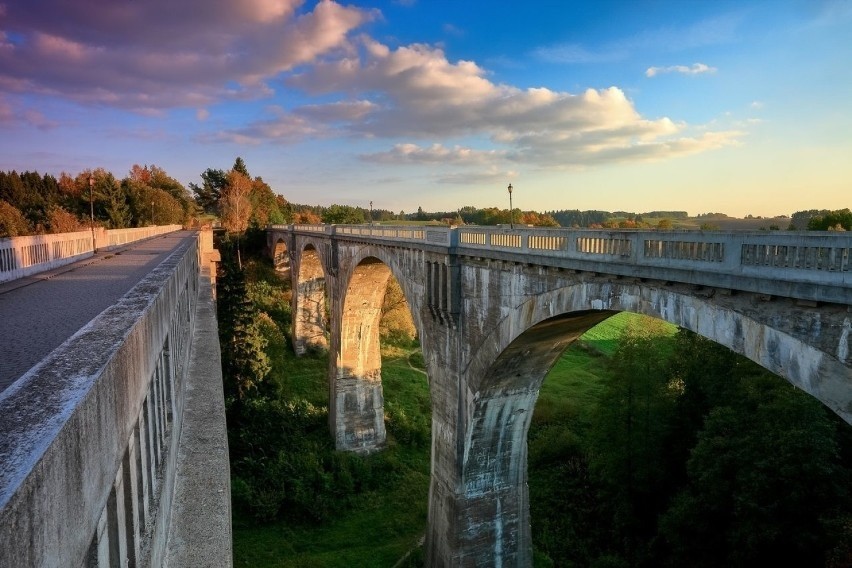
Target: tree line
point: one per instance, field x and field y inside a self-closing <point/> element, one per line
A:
<point x="31" y="203"/>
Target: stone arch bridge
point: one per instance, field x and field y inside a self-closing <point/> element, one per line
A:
<point x="494" y="309"/>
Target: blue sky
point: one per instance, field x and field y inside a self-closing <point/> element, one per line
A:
<point x="725" y="106"/>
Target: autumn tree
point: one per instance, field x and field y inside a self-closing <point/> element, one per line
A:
<point x="12" y="221"/>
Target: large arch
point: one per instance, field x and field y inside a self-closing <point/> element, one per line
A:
<point x="490" y="508"/>
<point x="356" y="411"/>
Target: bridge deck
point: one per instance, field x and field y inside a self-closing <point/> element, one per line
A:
<point x="38" y="313"/>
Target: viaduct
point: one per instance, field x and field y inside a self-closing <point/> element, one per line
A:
<point x="494" y="309"/>
<point x="113" y="449"/>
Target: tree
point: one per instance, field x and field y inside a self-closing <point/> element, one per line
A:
<point x="244" y="362"/>
<point x="234" y="205"/>
<point x="343" y="214"/>
<point x="840" y="219"/>
<point x="240" y="166"/>
<point x="116" y="206"/>
<point x="207" y="195"/>
<point x="12" y="221"/>
<point x="61" y="221"/>
<point x="264" y="205"/>
<point x="630" y="433"/>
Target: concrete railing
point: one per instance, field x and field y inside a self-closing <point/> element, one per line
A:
<point x="24" y="256"/>
<point x="812" y="265"/>
<point x="88" y="437"/>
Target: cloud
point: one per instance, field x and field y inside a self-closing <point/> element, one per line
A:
<point x="418" y="95"/>
<point x="161" y="54"/>
<point x="695" y="69"/>
<point x="436" y="154"/>
<point x="11" y="114"/>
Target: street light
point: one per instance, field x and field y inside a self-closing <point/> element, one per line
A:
<point x="511" y="211"/>
<point x="371" y="213"/>
<point x="92" y="210"/>
<point x="152" y="213"/>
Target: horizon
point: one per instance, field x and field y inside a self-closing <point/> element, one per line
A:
<point x="742" y="109"/>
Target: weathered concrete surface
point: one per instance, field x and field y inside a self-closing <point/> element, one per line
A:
<point x="492" y="320"/>
<point x="88" y="438"/>
<point x="200" y="530"/>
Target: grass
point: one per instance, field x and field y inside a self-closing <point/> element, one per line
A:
<point x="383" y="526"/>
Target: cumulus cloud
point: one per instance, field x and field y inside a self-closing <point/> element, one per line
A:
<point x="156" y="55"/>
<point x="695" y="69"/>
<point x="162" y="54"/>
<point x="421" y="96"/>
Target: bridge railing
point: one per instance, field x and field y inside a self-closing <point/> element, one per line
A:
<point x="88" y="438"/>
<point x="762" y="259"/>
<point x="24" y="256"/>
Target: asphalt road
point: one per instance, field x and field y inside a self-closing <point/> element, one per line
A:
<point x="38" y="313"/>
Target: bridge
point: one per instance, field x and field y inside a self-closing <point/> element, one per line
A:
<point x="113" y="450"/>
<point x="495" y="308"/>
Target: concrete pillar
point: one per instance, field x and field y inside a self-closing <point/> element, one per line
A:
<point x="478" y="495"/>
<point x="357" y="404"/>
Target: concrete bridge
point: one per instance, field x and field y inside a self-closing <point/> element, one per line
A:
<point x="494" y="309"/>
<point x="113" y="450"/>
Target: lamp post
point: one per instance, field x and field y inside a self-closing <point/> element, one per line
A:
<point x="371" y="213"/>
<point x="511" y="211"/>
<point x="152" y="213"/>
<point x="92" y="210"/>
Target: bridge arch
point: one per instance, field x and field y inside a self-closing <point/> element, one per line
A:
<point x="280" y="254"/>
<point x="357" y="399"/>
<point x="511" y="362"/>
<point x="308" y="276"/>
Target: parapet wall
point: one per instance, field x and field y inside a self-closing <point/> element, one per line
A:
<point x="89" y="438"/>
<point x="24" y="256"/>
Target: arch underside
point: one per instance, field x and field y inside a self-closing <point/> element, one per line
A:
<point x="508" y="369"/>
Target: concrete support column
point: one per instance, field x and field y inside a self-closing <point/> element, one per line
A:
<point x="359" y="416"/>
<point x="483" y="520"/>
<point x="309" y="316"/>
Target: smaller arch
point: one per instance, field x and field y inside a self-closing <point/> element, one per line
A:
<point x="309" y="303"/>
<point x="280" y="255"/>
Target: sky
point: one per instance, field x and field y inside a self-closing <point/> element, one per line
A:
<point x="738" y="107"/>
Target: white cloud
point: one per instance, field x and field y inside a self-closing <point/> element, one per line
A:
<point x="421" y="96"/>
<point x="695" y="69"/>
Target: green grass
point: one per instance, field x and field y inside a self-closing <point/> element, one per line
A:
<point x="382" y="526"/>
